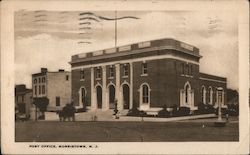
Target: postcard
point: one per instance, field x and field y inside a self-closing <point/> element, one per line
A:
<point x="124" y="77"/>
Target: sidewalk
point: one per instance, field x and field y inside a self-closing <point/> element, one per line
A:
<point x="157" y="119"/>
<point x="109" y="117"/>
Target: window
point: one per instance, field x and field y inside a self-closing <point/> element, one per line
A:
<point x="203" y="95"/>
<point x="187" y="69"/>
<point x="111" y="71"/>
<point x="186" y="93"/>
<point x="67" y="77"/>
<point x="39" y="90"/>
<point x="35" y="81"/>
<point x="145" y="94"/>
<point x="35" y="90"/>
<point x="22" y="98"/>
<point x="83" y="95"/>
<point x="144" y="68"/>
<point x="82" y="74"/>
<point x="125" y="69"/>
<point x="43" y="89"/>
<point x="182" y="69"/>
<point x="191" y="70"/>
<point x="210" y="95"/>
<point x="57" y="101"/>
<point x="98" y="73"/>
<point x="39" y="80"/>
<point x="43" y="79"/>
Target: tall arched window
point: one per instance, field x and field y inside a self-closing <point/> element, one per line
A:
<point x="210" y="95"/>
<point x="187" y="96"/>
<point x="145" y="94"/>
<point x="83" y="95"/>
<point x="203" y="94"/>
<point x="186" y="93"/>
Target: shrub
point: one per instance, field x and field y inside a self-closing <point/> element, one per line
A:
<point x="174" y="110"/>
<point x="183" y="111"/>
<point x="205" y="109"/>
<point x="196" y="112"/>
<point x="143" y="114"/>
<point x="233" y="110"/>
<point x="164" y="112"/>
<point x="223" y="111"/>
<point x="135" y="112"/>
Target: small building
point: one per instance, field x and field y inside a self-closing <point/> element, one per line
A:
<point x="147" y="75"/>
<point x="54" y="88"/>
<point x="23" y="99"/>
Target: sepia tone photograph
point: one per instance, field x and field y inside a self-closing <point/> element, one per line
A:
<point x="130" y="75"/>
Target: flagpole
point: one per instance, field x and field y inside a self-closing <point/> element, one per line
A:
<point x="115" y="28"/>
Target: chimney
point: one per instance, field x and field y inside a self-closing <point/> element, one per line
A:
<point x="61" y="70"/>
<point x="44" y="70"/>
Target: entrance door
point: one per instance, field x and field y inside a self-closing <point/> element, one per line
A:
<point x="111" y="97"/>
<point x="125" y="89"/>
<point x="83" y="97"/>
<point x="99" y="96"/>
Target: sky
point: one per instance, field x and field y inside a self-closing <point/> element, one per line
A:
<point x="49" y="38"/>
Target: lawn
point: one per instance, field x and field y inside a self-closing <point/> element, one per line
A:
<point x="124" y="132"/>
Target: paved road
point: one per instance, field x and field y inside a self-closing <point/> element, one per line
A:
<point x="124" y="131"/>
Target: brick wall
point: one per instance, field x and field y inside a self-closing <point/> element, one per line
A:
<point x="165" y="78"/>
<point x="214" y="85"/>
<point x="77" y="84"/>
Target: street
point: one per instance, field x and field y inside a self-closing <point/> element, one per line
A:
<point x="53" y="131"/>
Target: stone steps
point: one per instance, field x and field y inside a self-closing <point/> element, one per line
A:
<point x="99" y="115"/>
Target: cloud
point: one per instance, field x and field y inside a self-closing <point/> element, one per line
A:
<point x="42" y="50"/>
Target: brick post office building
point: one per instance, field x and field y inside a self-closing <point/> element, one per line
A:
<point x="147" y="75"/>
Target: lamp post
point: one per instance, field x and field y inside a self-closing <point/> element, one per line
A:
<point x="219" y="90"/>
<point x="220" y="122"/>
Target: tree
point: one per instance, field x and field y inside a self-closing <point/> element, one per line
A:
<point x="231" y="94"/>
<point x="41" y="104"/>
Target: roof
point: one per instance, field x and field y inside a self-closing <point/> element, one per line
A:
<point x="42" y="74"/>
<point x="137" y="48"/>
<point x="208" y="76"/>
<point x="24" y="92"/>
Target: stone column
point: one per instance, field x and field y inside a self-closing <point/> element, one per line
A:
<point x="93" y="91"/>
<point x="117" y="86"/>
<point x="131" y="86"/>
<point x="104" y="88"/>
